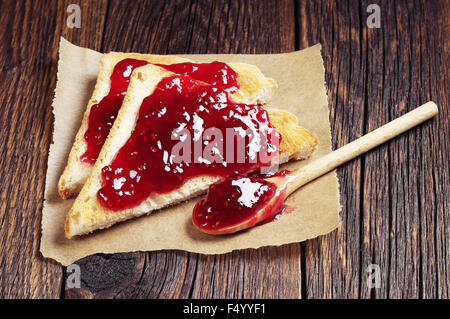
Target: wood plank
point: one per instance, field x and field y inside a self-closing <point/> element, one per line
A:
<point x="28" y="60"/>
<point x="197" y="27"/>
<point x="405" y="207"/>
<point x="434" y="180"/>
<point x="332" y="262"/>
<point x="401" y="222"/>
<point x="378" y="218"/>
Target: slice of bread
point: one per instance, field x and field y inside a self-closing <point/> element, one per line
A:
<point x="255" y="88"/>
<point x="87" y="214"/>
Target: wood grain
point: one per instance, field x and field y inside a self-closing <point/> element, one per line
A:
<point x="332" y="262"/>
<point x="395" y="213"/>
<point x="28" y="62"/>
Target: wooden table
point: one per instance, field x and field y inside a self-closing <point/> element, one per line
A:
<point x="396" y="211"/>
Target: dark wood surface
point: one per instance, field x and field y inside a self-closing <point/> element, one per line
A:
<point x="396" y="211"/>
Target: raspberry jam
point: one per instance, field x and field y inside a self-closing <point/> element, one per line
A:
<point x="185" y="129"/>
<point x="103" y="114"/>
<point x="236" y="203"/>
<point x="278" y="212"/>
<point x="215" y="73"/>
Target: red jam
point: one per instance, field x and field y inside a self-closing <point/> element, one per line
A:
<point x="103" y="114"/>
<point x="236" y="203"/>
<point x="280" y="211"/>
<point x="177" y="137"/>
<point x="215" y="73"/>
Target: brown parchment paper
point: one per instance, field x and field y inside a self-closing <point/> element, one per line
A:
<point x="300" y="77"/>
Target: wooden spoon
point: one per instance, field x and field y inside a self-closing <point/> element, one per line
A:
<point x="261" y="207"/>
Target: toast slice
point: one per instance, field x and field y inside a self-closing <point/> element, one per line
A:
<point x="255" y="88"/>
<point x="87" y="214"/>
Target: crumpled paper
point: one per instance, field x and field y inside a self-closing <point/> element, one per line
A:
<point x="301" y="90"/>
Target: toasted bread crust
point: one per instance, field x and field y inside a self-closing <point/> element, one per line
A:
<point x="254" y="88"/>
<point x="87" y="215"/>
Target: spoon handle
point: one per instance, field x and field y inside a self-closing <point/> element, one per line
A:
<point x="363" y="144"/>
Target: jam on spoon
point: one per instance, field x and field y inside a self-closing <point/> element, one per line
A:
<point x="239" y="202"/>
